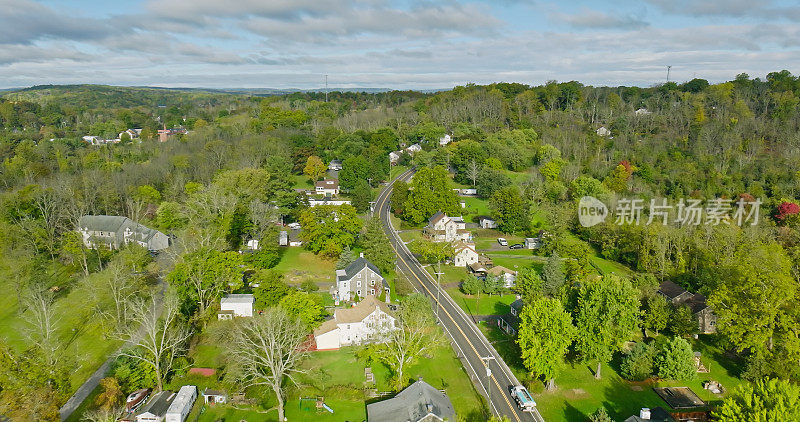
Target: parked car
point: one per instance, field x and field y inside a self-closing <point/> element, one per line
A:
<point x="523" y="398"/>
<point x="502" y="241"/>
<point x="516" y="246"/>
<point x="293" y="226"/>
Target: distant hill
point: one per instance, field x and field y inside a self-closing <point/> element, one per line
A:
<point x="105" y="96"/>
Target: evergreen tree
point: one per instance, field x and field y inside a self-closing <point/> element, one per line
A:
<point x="377" y="248"/>
<point x="345" y="258"/>
<point x="553" y="276"/>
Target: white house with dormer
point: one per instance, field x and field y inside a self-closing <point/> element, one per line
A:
<point x="442" y="228"/>
<point x="360" y="279"/>
<point x="360" y="324"/>
<point x="465" y="254"/>
<point x="327" y="187"/>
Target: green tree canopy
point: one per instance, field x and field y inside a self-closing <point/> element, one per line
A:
<point x="545" y="333"/>
<point x="607" y="316"/>
<point x="430" y="192"/>
<point x="769" y="400"/>
<point x="327" y="229"/>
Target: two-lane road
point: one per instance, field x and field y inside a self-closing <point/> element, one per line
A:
<point x="469" y="343"/>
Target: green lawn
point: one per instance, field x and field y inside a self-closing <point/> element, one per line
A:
<point x="301" y="181"/>
<point x="604" y="266"/>
<point x="338" y="377"/>
<point x="396" y="171"/>
<point x="409" y="235"/>
<point x="475" y="208"/>
<point x="298" y="265"/>
<point x="484" y="304"/>
<point x="79" y="330"/>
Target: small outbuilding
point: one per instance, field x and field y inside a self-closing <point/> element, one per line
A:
<point x="213" y="397"/>
<point x="239" y="305"/>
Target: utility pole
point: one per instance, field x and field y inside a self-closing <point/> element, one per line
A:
<point x="438" y="285"/>
<point x="486" y="360"/>
<point x="668" y="68"/>
<point x="326" y="88"/>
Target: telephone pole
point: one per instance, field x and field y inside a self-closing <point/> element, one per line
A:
<point x="326" y="88"/>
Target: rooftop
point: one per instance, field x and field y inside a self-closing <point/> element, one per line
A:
<point x="412" y="404"/>
<point x="238" y="298"/>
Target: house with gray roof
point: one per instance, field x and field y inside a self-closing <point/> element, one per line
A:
<point x="696" y="302"/>
<point x="419" y="402"/>
<point x="114" y="232"/>
<point x="156" y="409"/>
<point x="360" y="279"/>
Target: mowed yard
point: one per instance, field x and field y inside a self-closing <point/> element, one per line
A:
<point x="338" y="378"/>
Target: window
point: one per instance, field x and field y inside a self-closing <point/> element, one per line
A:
<point x="358" y="292"/>
<point x="372" y="292"/>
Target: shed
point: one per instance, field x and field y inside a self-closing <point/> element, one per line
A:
<point x="214" y="396"/>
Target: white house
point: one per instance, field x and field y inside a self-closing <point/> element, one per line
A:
<point x="414" y="149"/>
<point x="465" y="254"/>
<point x="361" y="278"/>
<point x="252" y="244"/>
<point x="442" y="228"/>
<point x="508" y="277"/>
<point x="643" y="111"/>
<point x="182" y="404"/>
<point x="156" y="409"/>
<point x="444" y="140"/>
<point x="335" y="165"/>
<point x="394" y="157"/>
<point x="362" y="323"/>
<point x="240" y="305"/>
<point x="327" y="187"/>
<point x="487" y="222"/>
<point x="603" y="131"/>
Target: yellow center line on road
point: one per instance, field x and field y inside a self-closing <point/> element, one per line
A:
<point x="380" y="207"/>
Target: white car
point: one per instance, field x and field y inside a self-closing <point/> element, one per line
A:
<point x="502" y="241"/>
<point x="293" y="226"/>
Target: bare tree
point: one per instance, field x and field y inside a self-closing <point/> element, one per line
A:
<point x="123" y="287"/>
<point x="473" y="170"/>
<point x="50" y="208"/>
<point x="42" y="323"/>
<point x="266" y="349"/>
<point x="103" y="415"/>
<point x="156" y="335"/>
<point x="415" y="335"/>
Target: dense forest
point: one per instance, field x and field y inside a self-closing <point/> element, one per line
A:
<point x="531" y="151"/>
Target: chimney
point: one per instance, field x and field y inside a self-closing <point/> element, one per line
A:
<point x="644" y="414"/>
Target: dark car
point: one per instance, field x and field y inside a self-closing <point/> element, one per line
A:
<point x="516" y="246"/>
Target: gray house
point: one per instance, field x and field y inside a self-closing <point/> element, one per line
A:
<point x="156" y="409"/>
<point x="361" y="278"/>
<point x="419" y="402"/>
<point x="678" y="296"/>
<point x="115" y="231"/>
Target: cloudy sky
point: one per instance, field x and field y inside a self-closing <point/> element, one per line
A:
<point x="388" y="43"/>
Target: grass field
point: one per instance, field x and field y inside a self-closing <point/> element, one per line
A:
<point x="483" y="304"/>
<point x="78" y="329"/>
<point x="298" y="265"/>
<point x="338" y="377"/>
<point x="301" y="181"/>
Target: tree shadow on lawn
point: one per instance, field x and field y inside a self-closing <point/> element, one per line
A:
<point x="711" y="346"/>
<point x="572" y="413"/>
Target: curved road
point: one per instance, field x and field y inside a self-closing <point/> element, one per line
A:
<point x="467" y="340"/>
